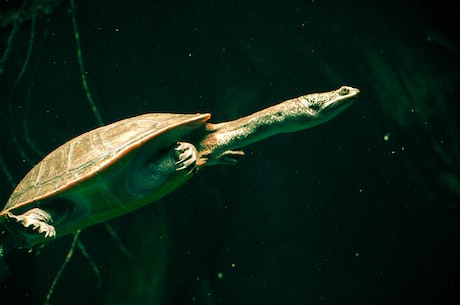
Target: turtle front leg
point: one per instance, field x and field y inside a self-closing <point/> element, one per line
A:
<point x="35" y="220"/>
<point x="145" y="177"/>
<point x="186" y="155"/>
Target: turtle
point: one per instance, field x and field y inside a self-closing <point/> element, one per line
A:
<point x="117" y="168"/>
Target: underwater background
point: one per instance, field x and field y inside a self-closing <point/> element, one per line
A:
<point x="361" y="210"/>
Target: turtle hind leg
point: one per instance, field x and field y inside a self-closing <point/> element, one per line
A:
<point x="34" y="225"/>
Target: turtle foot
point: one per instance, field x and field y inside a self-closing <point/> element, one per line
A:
<point x="35" y="220"/>
<point x="230" y="157"/>
<point x="185" y="155"/>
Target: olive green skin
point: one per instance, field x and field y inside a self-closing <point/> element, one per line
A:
<point x="86" y="180"/>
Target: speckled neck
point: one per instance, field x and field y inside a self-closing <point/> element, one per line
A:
<point x="289" y="116"/>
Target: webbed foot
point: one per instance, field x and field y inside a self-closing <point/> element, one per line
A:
<point x="35" y="220"/>
<point x="185" y="155"/>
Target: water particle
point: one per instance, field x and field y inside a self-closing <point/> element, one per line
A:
<point x="386" y="137"/>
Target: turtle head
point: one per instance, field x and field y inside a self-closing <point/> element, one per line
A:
<point x="317" y="108"/>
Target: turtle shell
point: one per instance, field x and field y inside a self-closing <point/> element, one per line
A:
<point x="100" y="157"/>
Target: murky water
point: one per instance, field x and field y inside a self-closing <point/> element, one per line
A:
<point x="361" y="210"/>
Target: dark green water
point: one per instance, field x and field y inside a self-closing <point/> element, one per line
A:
<point x="361" y="210"/>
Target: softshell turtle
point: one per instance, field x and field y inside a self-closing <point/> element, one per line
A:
<point x="114" y="169"/>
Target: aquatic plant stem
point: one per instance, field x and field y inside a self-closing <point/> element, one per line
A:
<point x="29" y="51"/>
<point x="9" y="44"/>
<point x="25" y="124"/>
<point x="90" y="261"/>
<point x="84" y="82"/>
<point x="61" y="269"/>
<point x="6" y="172"/>
<point x="16" y="82"/>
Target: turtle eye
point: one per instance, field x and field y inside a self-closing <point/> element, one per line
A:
<point x="344" y="91"/>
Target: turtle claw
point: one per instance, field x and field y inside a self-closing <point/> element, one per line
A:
<point x="46" y="230"/>
<point x="35" y="220"/>
<point x="186" y="156"/>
